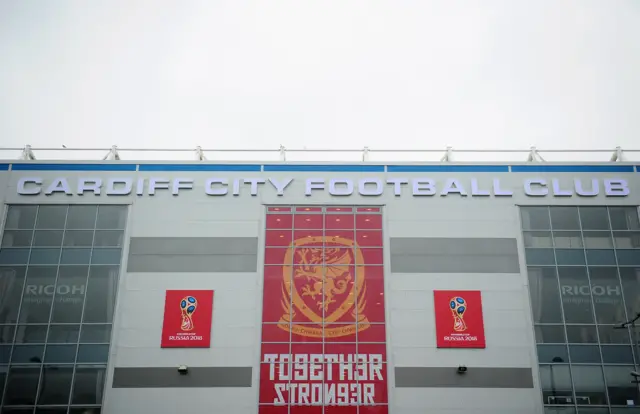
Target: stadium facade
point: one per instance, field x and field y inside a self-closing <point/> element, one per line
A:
<point x="289" y="288"/>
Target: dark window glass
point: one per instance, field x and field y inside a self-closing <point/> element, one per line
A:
<point x="607" y="295"/>
<point x="93" y="354"/>
<point x="70" y="290"/>
<point x="556" y="384"/>
<point x="550" y="334"/>
<point x="55" y="385"/>
<point x="15" y="410"/>
<point x="619" y="385"/>
<point x="568" y="239"/>
<point x="17" y="238"/>
<point x="48" y="238"/>
<point x="535" y="218"/>
<point x="63" y="334"/>
<point x="570" y="257"/>
<point x="111" y="217"/>
<point x="626" y="239"/>
<point x="617" y="354"/>
<point x="96" y="410"/>
<point x="75" y="256"/>
<point x="82" y="217"/>
<point x="88" y="385"/>
<point x="51" y="410"/>
<point x="545" y="298"/>
<point x="594" y="218"/>
<point x="538" y="239"/>
<point x="628" y="257"/>
<point x="553" y="354"/>
<point x="3" y="380"/>
<point x="610" y="335"/>
<point x="31" y="334"/>
<point x="21" y="217"/>
<point x="101" y="294"/>
<point x="576" y="294"/>
<point x="630" y="277"/>
<point x="27" y="354"/>
<point x="11" y="284"/>
<point x="38" y="292"/>
<point x="582" y="334"/>
<point x="22" y="385"/>
<point x="78" y="238"/>
<point x="564" y="218"/>
<point x="540" y="257"/>
<point x="106" y="256"/>
<point x="44" y="256"/>
<point x="601" y="258"/>
<point x="5" y="354"/>
<point x="109" y="238"/>
<point x="95" y="334"/>
<point x="624" y="218"/>
<point x="14" y="256"/>
<point x="51" y="217"/>
<point x="598" y="240"/>
<point x="7" y="333"/>
<point x="589" y="385"/>
<point x="584" y="354"/>
<point x="60" y="354"/>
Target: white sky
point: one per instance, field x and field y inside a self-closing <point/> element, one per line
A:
<point x="320" y="74"/>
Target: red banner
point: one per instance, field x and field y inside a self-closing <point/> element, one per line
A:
<point x="323" y="332"/>
<point x="459" y="322"/>
<point x="187" y="319"/>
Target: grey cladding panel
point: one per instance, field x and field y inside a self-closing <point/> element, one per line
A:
<point x="193" y="254"/>
<point x="168" y="377"/>
<point x="454" y="255"/>
<point x="448" y="377"/>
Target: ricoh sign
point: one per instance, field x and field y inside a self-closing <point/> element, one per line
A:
<point x="339" y="187"/>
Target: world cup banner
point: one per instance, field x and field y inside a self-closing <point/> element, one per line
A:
<point x="187" y="319"/>
<point x="323" y="332"/>
<point x="459" y="321"/>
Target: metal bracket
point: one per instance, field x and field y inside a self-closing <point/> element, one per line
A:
<point x="534" y="156"/>
<point x="112" y="155"/>
<point x="617" y="155"/>
<point x="283" y="153"/>
<point x="365" y="154"/>
<point x="448" y="156"/>
<point x="200" y="154"/>
<point x="27" y="154"/>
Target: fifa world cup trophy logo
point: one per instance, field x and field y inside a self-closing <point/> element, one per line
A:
<point x="458" y="307"/>
<point x="188" y="306"/>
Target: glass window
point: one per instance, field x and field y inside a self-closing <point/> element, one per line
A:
<point x="111" y="217"/>
<point x="630" y="277"/>
<point x="27" y="354"/>
<point x="63" y="334"/>
<point x="44" y="256"/>
<point x="21" y="217"/>
<point x="564" y="218"/>
<point x="109" y="238"/>
<point x="51" y="410"/>
<point x="570" y="257"/>
<point x="17" y="238"/>
<point x="582" y="334"/>
<point x="535" y="218"/>
<point x="82" y="217"/>
<point x="568" y="239"/>
<point x="624" y="218"/>
<point x="560" y="410"/>
<point x="14" y="256"/>
<point x="594" y="218"/>
<point x="589" y="385"/>
<point x="609" y="334"/>
<point x="106" y="256"/>
<point x="55" y="385"/>
<point x="620" y="386"/>
<point x="93" y="354"/>
<point x="607" y="295"/>
<point x="585" y="354"/>
<point x="545" y="297"/>
<point x="550" y="334"/>
<point x="96" y="410"/>
<point x="601" y="258"/>
<point x="628" y="257"/>
<point x="555" y="381"/>
<point x="70" y="290"/>
<point x="101" y="294"/>
<point x="22" y="385"/>
<point x="51" y="217"/>
<point x="75" y="256"/>
<point x="598" y="240"/>
<point x="7" y="333"/>
<point x="88" y="385"/>
<point x="5" y="354"/>
<point x="540" y="257"/>
<point x="553" y="354"/>
<point x="38" y="292"/>
<point x="627" y="239"/>
<point x="11" y="284"/>
<point x="537" y="239"/>
<point x="78" y="238"/>
<point x="576" y="294"/>
<point x="95" y="334"/>
<point x="48" y="238"/>
<point x="60" y="354"/>
<point x="31" y="334"/>
<point x="617" y="354"/>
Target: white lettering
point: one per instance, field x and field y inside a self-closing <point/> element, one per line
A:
<point x="119" y="186"/>
<point x="236" y="187"/>
<point x="528" y="190"/>
<point x="595" y="188"/>
<point x="59" y="185"/>
<point x="397" y="185"/>
<point x="210" y="190"/>
<point x="313" y="184"/>
<point x="89" y="184"/>
<point x="22" y="186"/>
<point x="616" y="188"/>
<point x="376" y="191"/>
<point x="557" y="191"/>
<point x="335" y="190"/>
<point x="158" y="184"/>
<point x="254" y="184"/>
<point x="453" y="186"/>
<point x="423" y="187"/>
<point x="499" y="192"/>
<point x="181" y="184"/>
<point x="475" y="189"/>
<point x="280" y="186"/>
<point x="140" y="187"/>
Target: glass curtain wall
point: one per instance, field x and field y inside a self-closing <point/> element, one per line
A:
<point x="584" y="279"/>
<point x="59" y="268"/>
